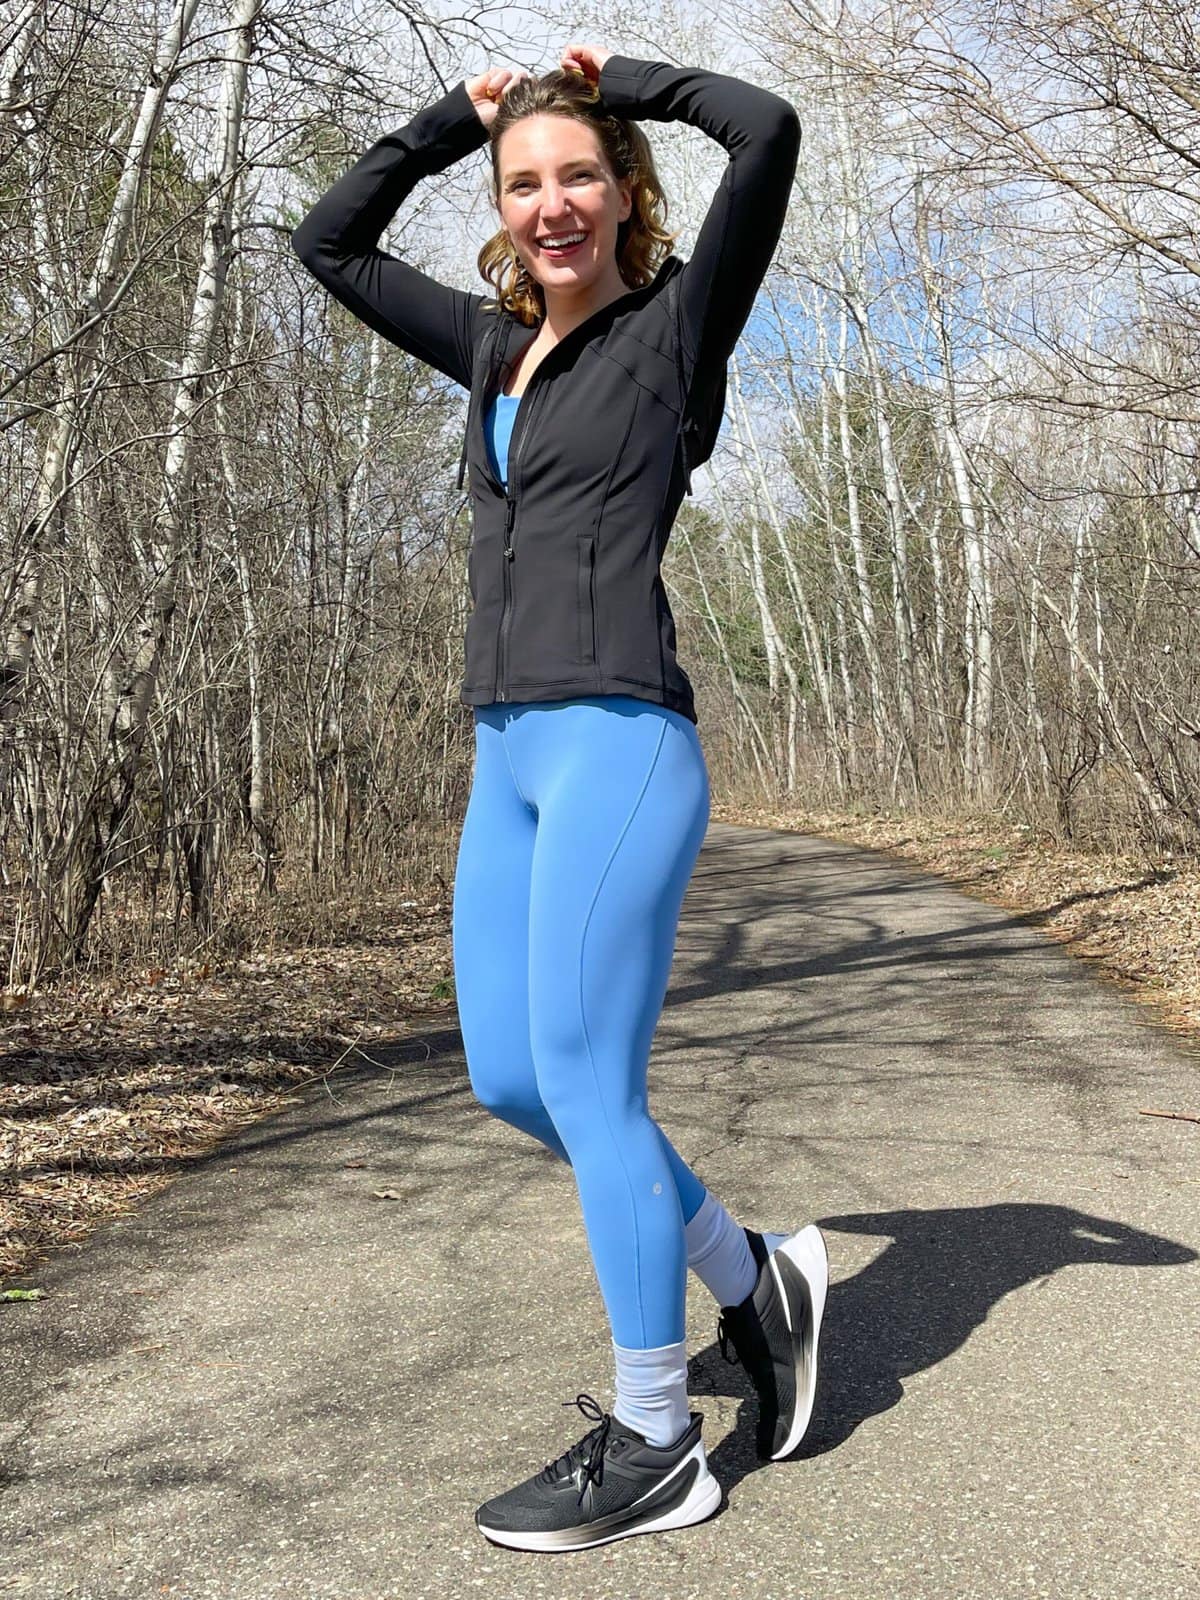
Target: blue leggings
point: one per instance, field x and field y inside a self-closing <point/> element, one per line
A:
<point x="583" y="825"/>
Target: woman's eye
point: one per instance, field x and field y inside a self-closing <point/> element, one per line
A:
<point x="527" y="183"/>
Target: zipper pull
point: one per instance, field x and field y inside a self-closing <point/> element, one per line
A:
<point x="508" y="522"/>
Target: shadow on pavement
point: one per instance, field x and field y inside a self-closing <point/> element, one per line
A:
<point x="917" y="1302"/>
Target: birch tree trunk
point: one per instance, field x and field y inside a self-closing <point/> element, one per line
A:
<point x="25" y="28"/>
<point x="977" y="649"/>
<point x="258" y="790"/>
<point x="128" y="731"/>
<point x="760" y="749"/>
<point x="809" y="630"/>
<point x="103" y="291"/>
<point x="865" y="620"/>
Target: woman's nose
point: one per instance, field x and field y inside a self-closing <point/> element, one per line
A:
<point x="554" y="203"/>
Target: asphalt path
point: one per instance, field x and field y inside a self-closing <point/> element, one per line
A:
<point x="271" y="1383"/>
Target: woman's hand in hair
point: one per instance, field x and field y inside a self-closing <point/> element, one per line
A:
<point x="489" y="88"/>
<point x="585" y="58"/>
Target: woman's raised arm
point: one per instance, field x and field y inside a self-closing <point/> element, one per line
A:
<point x="761" y="132"/>
<point x="338" y="239"/>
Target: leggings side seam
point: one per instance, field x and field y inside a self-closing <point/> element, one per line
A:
<point x="662" y="733"/>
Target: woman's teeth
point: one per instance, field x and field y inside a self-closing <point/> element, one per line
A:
<point x="561" y="245"/>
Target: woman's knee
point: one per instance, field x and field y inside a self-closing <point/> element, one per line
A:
<point x="502" y="1095"/>
<point x="583" y="1116"/>
<point x="515" y="1103"/>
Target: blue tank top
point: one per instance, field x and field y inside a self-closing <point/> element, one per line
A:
<point x="498" y="426"/>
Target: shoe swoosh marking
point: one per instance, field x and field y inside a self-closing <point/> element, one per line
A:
<point x="672" y="1491"/>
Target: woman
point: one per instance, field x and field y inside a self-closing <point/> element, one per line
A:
<point x="597" y="382"/>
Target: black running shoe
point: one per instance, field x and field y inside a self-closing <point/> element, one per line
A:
<point x="612" y="1484"/>
<point x="774" y="1332"/>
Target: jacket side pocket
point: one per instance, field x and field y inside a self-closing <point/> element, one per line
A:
<point x="585" y="607"/>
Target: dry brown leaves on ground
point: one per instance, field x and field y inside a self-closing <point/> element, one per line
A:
<point x="108" y="1089"/>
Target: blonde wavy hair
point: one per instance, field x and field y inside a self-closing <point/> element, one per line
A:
<point x="643" y="241"/>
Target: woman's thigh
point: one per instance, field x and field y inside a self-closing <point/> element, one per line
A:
<point x="491" y="931"/>
<point x="622" y="796"/>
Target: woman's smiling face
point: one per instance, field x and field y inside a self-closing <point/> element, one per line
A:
<point x="554" y="182"/>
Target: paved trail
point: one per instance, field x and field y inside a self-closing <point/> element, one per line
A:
<point x="269" y="1384"/>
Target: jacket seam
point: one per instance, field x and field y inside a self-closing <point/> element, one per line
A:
<point x="633" y="378"/>
<point x="624" y="333"/>
<point x="597" y="526"/>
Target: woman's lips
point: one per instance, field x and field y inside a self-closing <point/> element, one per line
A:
<point x="558" y="254"/>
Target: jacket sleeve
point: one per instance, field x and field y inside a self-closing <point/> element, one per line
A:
<point x="338" y="239"/>
<point x="737" y="240"/>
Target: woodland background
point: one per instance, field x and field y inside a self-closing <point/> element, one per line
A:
<point x="947" y="554"/>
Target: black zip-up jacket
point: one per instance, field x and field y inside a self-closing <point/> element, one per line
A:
<point x="568" y="599"/>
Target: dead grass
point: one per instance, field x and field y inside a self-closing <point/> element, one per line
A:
<point x="110" y="1086"/>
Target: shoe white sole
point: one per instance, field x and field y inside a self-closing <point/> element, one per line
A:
<point x="702" y="1500"/>
<point x="806" y="1253"/>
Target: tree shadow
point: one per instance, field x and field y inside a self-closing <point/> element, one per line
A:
<point x="918" y="1302"/>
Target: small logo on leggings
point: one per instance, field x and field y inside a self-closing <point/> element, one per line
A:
<point x="658" y="1188"/>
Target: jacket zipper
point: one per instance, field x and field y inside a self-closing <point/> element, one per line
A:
<point x="506" y="613"/>
<point x="520" y="429"/>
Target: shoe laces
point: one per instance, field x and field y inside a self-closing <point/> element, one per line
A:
<point x="587" y="1456"/>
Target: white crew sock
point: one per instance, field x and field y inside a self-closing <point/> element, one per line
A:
<point x="652" y="1391"/>
<point x="719" y="1253"/>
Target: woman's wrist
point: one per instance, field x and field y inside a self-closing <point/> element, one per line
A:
<point x="486" y="90"/>
<point x="624" y="83"/>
